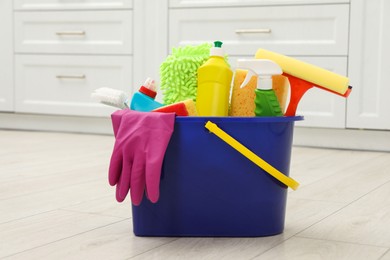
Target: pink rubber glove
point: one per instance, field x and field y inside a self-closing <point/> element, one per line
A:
<point x="140" y="145"/>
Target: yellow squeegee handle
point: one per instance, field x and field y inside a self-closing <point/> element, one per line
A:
<point x="213" y="128"/>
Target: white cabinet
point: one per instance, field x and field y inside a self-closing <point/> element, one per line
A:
<point x="369" y="65"/>
<point x="6" y="57"/>
<point x="62" y="85"/>
<point x="291" y="30"/>
<point x="64" y="50"/>
<point x="208" y="3"/>
<point x="83" y="32"/>
<point x="316" y="33"/>
<point x="71" y="5"/>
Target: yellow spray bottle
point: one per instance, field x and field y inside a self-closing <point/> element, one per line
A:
<point x="214" y="81"/>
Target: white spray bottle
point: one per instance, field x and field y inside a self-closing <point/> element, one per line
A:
<point x="267" y="103"/>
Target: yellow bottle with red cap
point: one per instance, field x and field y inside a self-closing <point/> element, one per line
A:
<point x="214" y="82"/>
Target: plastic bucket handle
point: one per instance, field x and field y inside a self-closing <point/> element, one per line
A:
<point x="213" y="128"/>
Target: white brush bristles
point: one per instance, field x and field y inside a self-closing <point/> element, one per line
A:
<point x="111" y="97"/>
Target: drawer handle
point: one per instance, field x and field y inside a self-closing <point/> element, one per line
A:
<point x="82" y="76"/>
<point x="80" y="33"/>
<point x="239" y="31"/>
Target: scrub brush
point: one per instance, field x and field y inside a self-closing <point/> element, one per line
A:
<point x="179" y="72"/>
<point x="111" y="97"/>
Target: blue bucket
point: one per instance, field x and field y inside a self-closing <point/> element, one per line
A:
<point x="209" y="189"/>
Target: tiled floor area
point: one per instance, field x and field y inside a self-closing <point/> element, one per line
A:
<point x="55" y="203"/>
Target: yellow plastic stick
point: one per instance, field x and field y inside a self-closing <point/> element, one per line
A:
<point x="213" y="128"/>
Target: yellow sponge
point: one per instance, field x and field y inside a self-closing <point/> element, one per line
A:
<point x="181" y="108"/>
<point x="191" y="107"/>
<point x="243" y="99"/>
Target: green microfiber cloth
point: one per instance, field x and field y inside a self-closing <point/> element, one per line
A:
<point x="179" y="72"/>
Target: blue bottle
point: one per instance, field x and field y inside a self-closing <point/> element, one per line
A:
<point x="143" y="100"/>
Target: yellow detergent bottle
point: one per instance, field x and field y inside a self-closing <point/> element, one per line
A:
<point x="214" y="81"/>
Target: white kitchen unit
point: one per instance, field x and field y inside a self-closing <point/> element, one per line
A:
<point x="72" y="5"/>
<point x="292" y="30"/>
<point x="82" y="32"/>
<point x="62" y="85"/>
<point x="369" y="65"/>
<point x="6" y="57"/>
<point x="210" y="3"/>
<point x="314" y="33"/>
<point x="61" y="56"/>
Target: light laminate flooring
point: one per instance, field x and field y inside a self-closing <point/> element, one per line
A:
<point x="55" y="203"/>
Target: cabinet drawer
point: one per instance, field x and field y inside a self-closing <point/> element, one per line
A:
<point x="63" y="85"/>
<point x="292" y="30"/>
<point x="219" y="3"/>
<point x="69" y="5"/>
<point x="97" y="32"/>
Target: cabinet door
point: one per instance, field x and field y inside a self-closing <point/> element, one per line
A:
<point x="291" y="30"/>
<point x="6" y="57"/>
<point x="62" y="85"/>
<point x="369" y="65"/>
<point x="218" y="3"/>
<point x="70" y="5"/>
<point x="82" y="32"/>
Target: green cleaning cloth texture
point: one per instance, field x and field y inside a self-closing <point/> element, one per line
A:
<point x="179" y="72"/>
<point x="141" y="139"/>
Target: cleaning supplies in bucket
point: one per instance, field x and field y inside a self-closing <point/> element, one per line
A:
<point x="214" y="81"/>
<point x="143" y="100"/>
<point x="207" y="188"/>
<point x="267" y="103"/>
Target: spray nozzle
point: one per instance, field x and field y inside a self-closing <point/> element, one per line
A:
<point x="262" y="68"/>
<point x="248" y="77"/>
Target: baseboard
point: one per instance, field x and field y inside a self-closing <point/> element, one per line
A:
<point x="95" y="125"/>
<point x="354" y="139"/>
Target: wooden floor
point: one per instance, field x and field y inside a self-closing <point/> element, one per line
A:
<point x="55" y="203"/>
